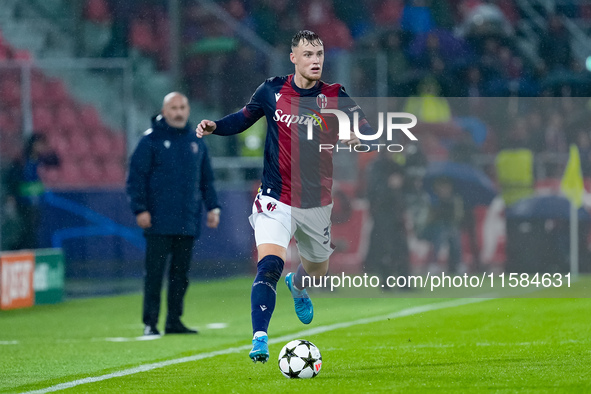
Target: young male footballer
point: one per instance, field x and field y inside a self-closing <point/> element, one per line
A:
<point x="295" y="195"/>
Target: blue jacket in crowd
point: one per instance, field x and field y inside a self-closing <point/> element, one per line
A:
<point x="170" y="176"/>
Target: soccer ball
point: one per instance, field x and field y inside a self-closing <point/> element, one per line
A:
<point x="300" y="359"/>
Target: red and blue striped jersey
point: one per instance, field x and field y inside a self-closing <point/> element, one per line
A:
<point x="296" y="171"/>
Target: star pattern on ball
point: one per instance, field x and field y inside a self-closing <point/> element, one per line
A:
<point x="308" y="361"/>
<point x="289" y="353"/>
<point x="293" y="375"/>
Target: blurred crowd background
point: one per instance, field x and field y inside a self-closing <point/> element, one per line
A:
<point x="500" y="86"/>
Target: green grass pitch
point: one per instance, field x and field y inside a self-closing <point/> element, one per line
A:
<point x="403" y="345"/>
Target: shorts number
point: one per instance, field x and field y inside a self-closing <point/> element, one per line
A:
<point x="327" y="235"/>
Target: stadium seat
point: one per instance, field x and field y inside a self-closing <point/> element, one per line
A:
<point x="79" y="144"/>
<point x="56" y="91"/>
<point x="60" y="144"/>
<point x="69" y="174"/>
<point x="10" y="147"/>
<point x="141" y="36"/>
<point x="10" y="121"/>
<point x="89" y="118"/>
<point x="10" y="91"/>
<point x="91" y="172"/>
<point x="38" y="95"/>
<point x="4" y="53"/>
<point x="66" y="117"/>
<point x="118" y="145"/>
<point x="101" y="145"/>
<point x="50" y="175"/>
<point x="22" y="54"/>
<point x="7" y="124"/>
<point x="42" y="118"/>
<point x="114" y="172"/>
<point x="97" y="11"/>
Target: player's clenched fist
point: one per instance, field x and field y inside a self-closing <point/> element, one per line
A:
<point x="352" y="141"/>
<point x="205" y="127"/>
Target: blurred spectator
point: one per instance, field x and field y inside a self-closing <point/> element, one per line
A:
<point x="25" y="186"/>
<point x="583" y="142"/>
<point x="388" y="252"/>
<point x="96" y="27"/>
<point x="417" y="199"/>
<point x="320" y="16"/>
<point x="555" y="136"/>
<point x="428" y="106"/>
<point x="442" y="14"/>
<point x="445" y="218"/>
<point x="387" y="13"/>
<point x="515" y="174"/>
<point x="416" y="17"/>
<point x="398" y="67"/>
<point x="535" y="124"/>
<point x="122" y="12"/>
<point x="355" y="15"/>
<point x="275" y="20"/>
<point x="554" y="47"/>
<point x="463" y="150"/>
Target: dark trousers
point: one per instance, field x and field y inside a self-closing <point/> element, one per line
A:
<point x="158" y="248"/>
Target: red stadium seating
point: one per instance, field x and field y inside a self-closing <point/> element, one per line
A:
<point x="101" y="144"/>
<point x="89" y="118"/>
<point x="90" y="153"/>
<point x="9" y="123"/>
<point x="91" y="172"/>
<point x="97" y="11"/>
<point x="10" y="91"/>
<point x="79" y="144"/>
<point x="66" y="117"/>
<point x="114" y="172"/>
<point x="141" y="36"/>
<point x="56" y="91"/>
<point x="42" y="118"/>
<point x="69" y="174"/>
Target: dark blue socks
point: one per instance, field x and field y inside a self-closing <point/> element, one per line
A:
<point x="263" y="294"/>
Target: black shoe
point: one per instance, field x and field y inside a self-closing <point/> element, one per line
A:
<point x="151" y="330"/>
<point x="179" y="328"/>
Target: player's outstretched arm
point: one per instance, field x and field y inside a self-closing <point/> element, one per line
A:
<point x="352" y="141"/>
<point x="205" y="127"/>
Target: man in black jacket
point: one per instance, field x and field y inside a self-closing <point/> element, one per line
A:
<point x="170" y="178"/>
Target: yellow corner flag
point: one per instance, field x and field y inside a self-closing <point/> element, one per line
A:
<point x="572" y="181"/>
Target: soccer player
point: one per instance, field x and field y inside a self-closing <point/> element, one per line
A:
<point x="295" y="195"/>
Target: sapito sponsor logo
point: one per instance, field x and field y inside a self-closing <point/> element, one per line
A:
<point x="310" y="120"/>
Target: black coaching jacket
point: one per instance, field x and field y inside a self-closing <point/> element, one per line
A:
<point x="170" y="176"/>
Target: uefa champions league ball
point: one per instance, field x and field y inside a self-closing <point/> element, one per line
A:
<point x="300" y="359"/>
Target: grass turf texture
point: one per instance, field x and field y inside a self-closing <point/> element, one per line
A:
<point x="527" y="344"/>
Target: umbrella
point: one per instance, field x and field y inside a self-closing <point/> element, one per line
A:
<point x="544" y="207"/>
<point x="473" y="185"/>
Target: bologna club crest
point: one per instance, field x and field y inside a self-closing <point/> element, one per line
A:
<point x="321" y="101"/>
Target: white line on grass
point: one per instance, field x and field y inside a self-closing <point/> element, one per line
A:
<point x="313" y="331"/>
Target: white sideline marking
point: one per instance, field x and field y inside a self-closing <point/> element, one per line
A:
<point x="124" y="339"/>
<point x="8" y="342"/>
<point x="415" y="310"/>
<point x="216" y="326"/>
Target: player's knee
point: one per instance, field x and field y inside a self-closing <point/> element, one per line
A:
<point x="270" y="267"/>
<point x="314" y="269"/>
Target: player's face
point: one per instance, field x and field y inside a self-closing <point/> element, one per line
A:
<point x="308" y="59"/>
<point x="176" y="111"/>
